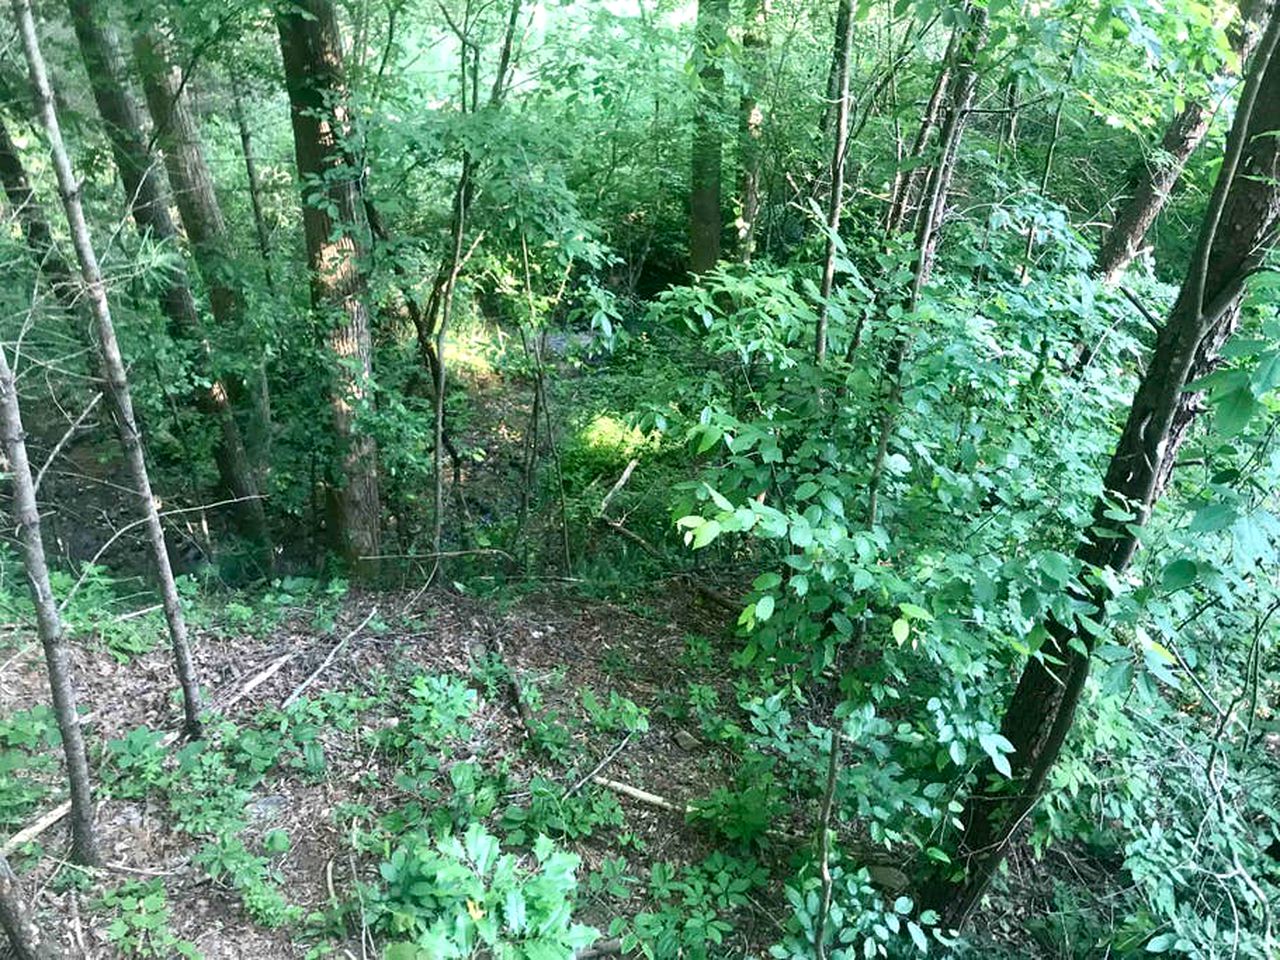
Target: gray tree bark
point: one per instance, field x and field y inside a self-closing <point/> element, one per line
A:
<point x="113" y="366"/>
<point x="48" y="624"/>
<point x="25" y="938"/>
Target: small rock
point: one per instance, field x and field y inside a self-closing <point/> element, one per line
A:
<point x="266" y="808"/>
<point x="686" y="740"/>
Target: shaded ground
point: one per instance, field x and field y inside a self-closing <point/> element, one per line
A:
<point x="556" y="646"/>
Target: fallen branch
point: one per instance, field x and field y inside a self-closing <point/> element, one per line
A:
<point x="622" y="482"/>
<point x="652" y="799"/>
<point x="302" y="687"/>
<point x="258" y="680"/>
<point x="599" y="766"/>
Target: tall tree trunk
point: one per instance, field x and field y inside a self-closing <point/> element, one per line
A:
<point x="835" y="202"/>
<point x="1238" y="232"/>
<point x="705" y="222"/>
<point x="145" y="194"/>
<point x="831" y="102"/>
<point x="1151" y="189"/>
<point x="311" y="50"/>
<point x="751" y="126"/>
<point x="57" y="658"/>
<point x="25" y="939"/>
<point x="202" y="221"/>
<point x="113" y="366"/>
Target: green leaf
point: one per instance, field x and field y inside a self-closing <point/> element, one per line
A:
<point x="917" y="936"/>
<point x="705" y="534"/>
<point x="915" y="612"/>
<point x="1178" y="574"/>
<point x="1235" y="410"/>
<point x="901" y="630"/>
<point x="764" y="607"/>
<point x="1162" y="943"/>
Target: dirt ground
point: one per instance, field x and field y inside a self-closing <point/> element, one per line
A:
<point x="554" y="644"/>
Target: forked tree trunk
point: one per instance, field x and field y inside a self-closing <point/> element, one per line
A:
<point x="206" y="230"/>
<point x="835" y="202"/>
<point x="705" y="222"/>
<point x="113" y="366"/>
<point x="48" y="624"/>
<point x="25" y="938"/>
<point x="1238" y="232"/>
<point x="1151" y="190"/>
<point x="751" y="127"/>
<point x="145" y="195"/>
<point x="333" y="223"/>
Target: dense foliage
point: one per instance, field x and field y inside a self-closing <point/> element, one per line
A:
<point x="924" y="354"/>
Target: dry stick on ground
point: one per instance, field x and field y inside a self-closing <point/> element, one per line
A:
<point x="48" y="622"/>
<point x="25" y="938"/>
<point x="605" y="948"/>
<point x="337" y="648"/>
<point x="112" y="362"/>
<point x="599" y="766"/>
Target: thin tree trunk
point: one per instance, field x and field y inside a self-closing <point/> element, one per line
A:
<point x="334" y="227"/>
<point x="705" y="222"/>
<point x="25" y="938"/>
<point x="145" y="195"/>
<point x="1238" y="233"/>
<point x="48" y="624"/>
<point x="261" y="233"/>
<point x="835" y="202"/>
<point x="205" y="227"/>
<point x="831" y="102"/>
<point x="751" y="127"/>
<point x="1151" y="190"/>
<point x="929" y="219"/>
<point x="113" y="366"/>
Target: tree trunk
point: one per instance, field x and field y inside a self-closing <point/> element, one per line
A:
<point x="751" y="127"/>
<point x="48" y="624"/>
<point x="1237" y="234"/>
<point x="25" y="938"/>
<point x="1151" y="189"/>
<point x="311" y="50"/>
<point x="831" y="102"/>
<point x="113" y="366"/>
<point x="147" y="202"/>
<point x="708" y="137"/>
<point x="835" y="202"/>
<point x="205" y="227"/>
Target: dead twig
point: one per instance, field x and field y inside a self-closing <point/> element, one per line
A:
<point x="337" y="648"/>
<point x="599" y="766"/>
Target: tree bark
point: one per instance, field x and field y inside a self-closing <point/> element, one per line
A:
<point x="705" y="223"/>
<point x="311" y="51"/>
<point x="751" y="127"/>
<point x="25" y="938"/>
<point x="113" y="366"/>
<point x="146" y="198"/>
<point x="1238" y="232"/>
<point x="57" y="658"/>
<point x="831" y="102"/>
<point x="835" y="202"/>
<point x="1151" y="189"/>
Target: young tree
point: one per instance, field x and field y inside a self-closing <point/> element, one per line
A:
<point x="113" y="366"/>
<point x="334" y="227"/>
<point x="835" y="202"/>
<point x="751" y="125"/>
<point x="145" y="194"/>
<point x="1151" y="189"/>
<point x="705" y="222"/>
<point x="1238" y="232"/>
<point x="84" y="848"/>
<point x="26" y="940"/>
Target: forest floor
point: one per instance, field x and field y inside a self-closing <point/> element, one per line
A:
<point x="554" y="644"/>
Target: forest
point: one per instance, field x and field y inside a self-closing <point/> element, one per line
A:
<point x="667" y="479"/>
